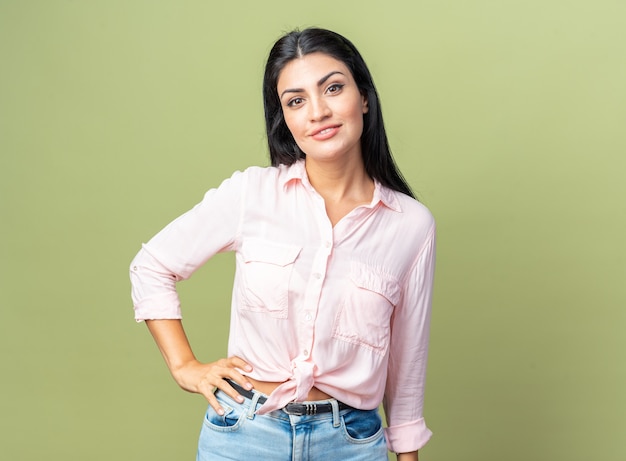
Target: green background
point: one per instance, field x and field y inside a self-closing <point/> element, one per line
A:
<point x="507" y="117"/>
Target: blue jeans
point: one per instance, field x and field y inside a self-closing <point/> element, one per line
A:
<point x="240" y="435"/>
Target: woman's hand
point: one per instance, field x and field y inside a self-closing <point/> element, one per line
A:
<point x="204" y="378"/>
<point x="189" y="373"/>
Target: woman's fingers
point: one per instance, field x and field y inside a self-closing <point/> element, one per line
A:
<point x="235" y="364"/>
<point x="208" y="392"/>
<point x="211" y="376"/>
<point x="229" y="369"/>
<point x="204" y="378"/>
<point x="240" y="363"/>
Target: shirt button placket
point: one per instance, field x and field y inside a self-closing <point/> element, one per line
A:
<point x="314" y="293"/>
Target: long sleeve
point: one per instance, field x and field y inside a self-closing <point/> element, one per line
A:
<point x="404" y="391"/>
<point x="182" y="247"/>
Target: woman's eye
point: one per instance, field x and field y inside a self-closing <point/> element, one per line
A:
<point x="335" y="87"/>
<point x="295" y="102"/>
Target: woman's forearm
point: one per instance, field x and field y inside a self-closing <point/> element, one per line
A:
<point x="172" y="341"/>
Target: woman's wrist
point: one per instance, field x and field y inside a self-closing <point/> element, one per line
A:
<point x="410" y="456"/>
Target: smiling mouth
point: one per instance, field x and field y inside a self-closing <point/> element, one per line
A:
<point x="326" y="132"/>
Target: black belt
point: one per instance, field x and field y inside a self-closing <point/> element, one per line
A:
<point x="294" y="408"/>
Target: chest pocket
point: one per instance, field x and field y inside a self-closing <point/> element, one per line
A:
<point x="364" y="316"/>
<point x="265" y="274"/>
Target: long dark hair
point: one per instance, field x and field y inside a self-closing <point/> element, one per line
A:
<point x="377" y="158"/>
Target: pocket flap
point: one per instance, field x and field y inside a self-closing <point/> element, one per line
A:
<point x="371" y="279"/>
<point x="257" y="250"/>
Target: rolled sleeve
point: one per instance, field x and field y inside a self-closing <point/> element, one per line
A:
<point x="408" y="437"/>
<point x="161" y="306"/>
<point x="153" y="288"/>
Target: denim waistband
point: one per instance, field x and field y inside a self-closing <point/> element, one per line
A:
<point x="294" y="408"/>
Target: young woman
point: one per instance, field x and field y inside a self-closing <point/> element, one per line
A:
<point x="334" y="271"/>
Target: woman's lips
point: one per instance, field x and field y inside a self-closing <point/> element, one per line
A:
<point x="325" y="133"/>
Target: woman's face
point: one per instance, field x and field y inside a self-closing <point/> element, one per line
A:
<point x="323" y="107"/>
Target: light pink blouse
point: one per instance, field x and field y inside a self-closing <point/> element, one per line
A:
<point x="343" y="308"/>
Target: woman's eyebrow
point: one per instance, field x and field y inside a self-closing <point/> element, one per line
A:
<point x="320" y="82"/>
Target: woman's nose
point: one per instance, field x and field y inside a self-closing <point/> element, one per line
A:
<point x="319" y="109"/>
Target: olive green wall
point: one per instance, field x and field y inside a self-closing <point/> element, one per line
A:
<point x="508" y="117"/>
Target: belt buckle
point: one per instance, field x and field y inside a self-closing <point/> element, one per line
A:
<point x="301" y="409"/>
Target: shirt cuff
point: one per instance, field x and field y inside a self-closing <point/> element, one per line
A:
<point x="160" y="306"/>
<point x="407" y="437"/>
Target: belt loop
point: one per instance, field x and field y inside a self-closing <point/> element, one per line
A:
<point x="253" y="404"/>
<point x="335" y="405"/>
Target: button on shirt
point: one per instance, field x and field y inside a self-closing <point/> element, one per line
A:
<point x="345" y="309"/>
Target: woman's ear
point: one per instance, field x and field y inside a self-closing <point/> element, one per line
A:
<point x="364" y="104"/>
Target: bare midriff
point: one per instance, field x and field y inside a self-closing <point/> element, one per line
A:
<point x="267" y="387"/>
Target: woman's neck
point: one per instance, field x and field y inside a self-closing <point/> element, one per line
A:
<point x="343" y="186"/>
<point x="340" y="180"/>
